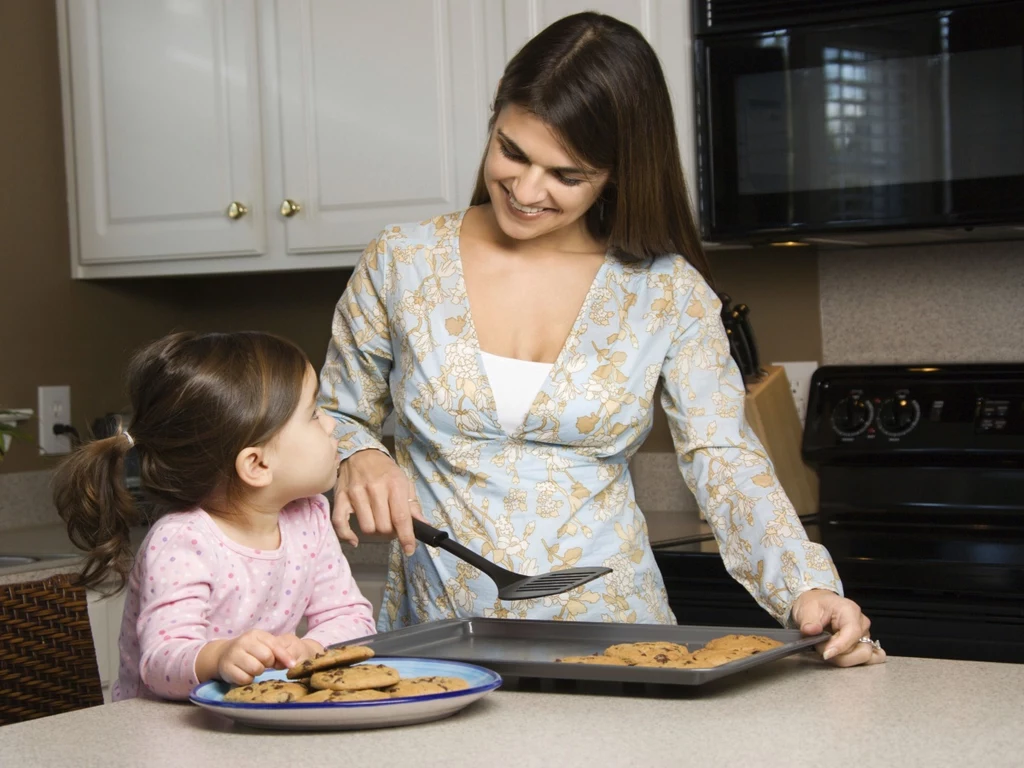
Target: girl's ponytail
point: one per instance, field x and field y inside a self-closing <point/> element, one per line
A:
<point x="91" y="497"/>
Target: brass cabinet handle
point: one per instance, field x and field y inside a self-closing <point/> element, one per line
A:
<point x="237" y="210"/>
<point x="289" y="208"/>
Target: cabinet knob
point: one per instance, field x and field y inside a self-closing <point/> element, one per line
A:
<point x="237" y="210"/>
<point x="289" y="208"/>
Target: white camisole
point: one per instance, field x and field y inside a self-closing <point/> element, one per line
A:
<point x="515" y="384"/>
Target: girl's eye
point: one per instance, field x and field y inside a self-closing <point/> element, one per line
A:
<point x="316" y="414"/>
<point x="511" y="155"/>
<point x="569" y="181"/>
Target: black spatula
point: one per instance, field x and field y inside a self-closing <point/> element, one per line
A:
<point x="511" y="585"/>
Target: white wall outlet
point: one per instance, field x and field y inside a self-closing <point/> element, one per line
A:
<point x="54" y="408"/>
<point x="799" y="376"/>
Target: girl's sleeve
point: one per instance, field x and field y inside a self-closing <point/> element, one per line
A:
<point x="337" y="610"/>
<point x="760" y="537"/>
<point x="174" y="614"/>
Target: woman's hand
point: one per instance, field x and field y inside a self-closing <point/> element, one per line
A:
<point x="818" y="610"/>
<point x="373" y="486"/>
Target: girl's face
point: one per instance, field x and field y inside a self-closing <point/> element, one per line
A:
<point x="304" y="455"/>
<point x="535" y="187"/>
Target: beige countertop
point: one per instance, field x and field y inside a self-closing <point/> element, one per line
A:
<point x="795" y="712"/>
<point x="58" y="555"/>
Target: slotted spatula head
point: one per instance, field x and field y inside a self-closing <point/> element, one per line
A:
<point x="553" y="583"/>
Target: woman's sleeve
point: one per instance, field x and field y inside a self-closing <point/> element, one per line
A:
<point x="354" y="380"/>
<point x="760" y="537"/>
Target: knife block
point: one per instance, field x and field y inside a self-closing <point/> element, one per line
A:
<point x="772" y="415"/>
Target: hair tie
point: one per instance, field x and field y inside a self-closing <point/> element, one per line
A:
<point x="131" y="440"/>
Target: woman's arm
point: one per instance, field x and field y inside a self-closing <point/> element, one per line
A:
<point x="762" y="542"/>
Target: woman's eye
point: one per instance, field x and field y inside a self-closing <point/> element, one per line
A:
<point x="511" y="155"/>
<point x="569" y="181"/>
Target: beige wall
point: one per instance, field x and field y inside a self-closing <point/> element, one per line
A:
<point x="57" y="331"/>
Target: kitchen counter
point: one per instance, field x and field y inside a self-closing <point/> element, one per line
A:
<point x="795" y="712"/>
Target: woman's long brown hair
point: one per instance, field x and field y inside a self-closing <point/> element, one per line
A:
<point x="598" y="84"/>
<point x="197" y="400"/>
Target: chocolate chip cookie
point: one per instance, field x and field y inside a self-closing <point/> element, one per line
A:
<point x="651" y="654"/>
<point x="424" y="686"/>
<point x="341" y="656"/>
<point x="266" y="692"/>
<point x="357" y="678"/>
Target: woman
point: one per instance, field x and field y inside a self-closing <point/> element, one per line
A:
<point x="519" y="343"/>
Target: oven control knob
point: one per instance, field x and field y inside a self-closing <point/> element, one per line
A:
<point x="851" y="416"/>
<point x="898" y="415"/>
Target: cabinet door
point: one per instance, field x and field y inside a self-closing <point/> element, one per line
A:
<point x="384" y="111"/>
<point x="667" y="26"/>
<point x="165" y="103"/>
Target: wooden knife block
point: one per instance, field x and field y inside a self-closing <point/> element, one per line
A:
<point x="772" y="415"/>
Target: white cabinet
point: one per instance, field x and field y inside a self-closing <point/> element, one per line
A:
<point x="667" y="26"/>
<point x="383" y="113"/>
<point x="165" y="99"/>
<point x="247" y="135"/>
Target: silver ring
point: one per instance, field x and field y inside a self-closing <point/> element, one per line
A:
<point x="873" y="643"/>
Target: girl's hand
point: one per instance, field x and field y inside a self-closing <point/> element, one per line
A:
<point x="238" y="661"/>
<point x="298" y="649"/>
<point x="818" y="609"/>
<point x="373" y="486"/>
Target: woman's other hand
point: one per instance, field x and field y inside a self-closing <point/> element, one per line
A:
<point x="375" y="488"/>
<point x="818" y="610"/>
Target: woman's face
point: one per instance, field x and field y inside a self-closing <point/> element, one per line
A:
<point x="535" y="187"/>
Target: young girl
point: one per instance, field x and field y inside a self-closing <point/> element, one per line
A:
<point x="234" y="456"/>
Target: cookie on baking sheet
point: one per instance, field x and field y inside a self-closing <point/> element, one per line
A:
<point x="705" y="658"/>
<point x="595" y="659"/>
<point x="332" y="657"/>
<point x="357" y="678"/>
<point x="755" y="643"/>
<point x="327" y="696"/>
<point x="266" y="692"/>
<point x="424" y="686"/>
<point x="650" y="654"/>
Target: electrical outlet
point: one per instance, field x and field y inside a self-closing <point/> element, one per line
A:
<point x="799" y="376"/>
<point x="54" y="408"/>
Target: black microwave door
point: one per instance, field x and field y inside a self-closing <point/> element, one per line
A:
<point x="914" y="120"/>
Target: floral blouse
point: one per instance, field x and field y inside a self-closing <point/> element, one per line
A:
<point x="555" y="493"/>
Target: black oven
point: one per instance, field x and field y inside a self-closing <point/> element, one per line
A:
<point x="819" y="119"/>
<point x="921" y="472"/>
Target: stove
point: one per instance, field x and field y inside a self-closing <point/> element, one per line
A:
<point x="921" y="474"/>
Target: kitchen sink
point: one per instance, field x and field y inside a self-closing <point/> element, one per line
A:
<point x="10" y="560"/>
<point x="6" y="561"/>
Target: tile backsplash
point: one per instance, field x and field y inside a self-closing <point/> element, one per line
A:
<point x="929" y="304"/>
<point x="25" y="500"/>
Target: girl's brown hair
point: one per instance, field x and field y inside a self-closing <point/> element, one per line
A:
<point x="597" y="83"/>
<point x="197" y="400"/>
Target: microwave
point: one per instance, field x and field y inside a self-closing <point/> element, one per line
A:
<point x="870" y="122"/>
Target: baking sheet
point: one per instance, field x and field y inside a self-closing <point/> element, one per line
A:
<point x="521" y="648"/>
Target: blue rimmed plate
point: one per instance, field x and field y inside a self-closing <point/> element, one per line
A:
<point x="379" y="713"/>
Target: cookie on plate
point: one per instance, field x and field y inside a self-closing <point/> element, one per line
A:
<point x="425" y="686"/>
<point x="755" y="643"/>
<point x="357" y="678"/>
<point x="595" y="659"/>
<point x="651" y="654"/>
<point x="266" y="692"/>
<point x="369" y="694"/>
<point x="332" y="657"/>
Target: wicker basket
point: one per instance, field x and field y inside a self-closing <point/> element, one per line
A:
<point x="47" y="657"/>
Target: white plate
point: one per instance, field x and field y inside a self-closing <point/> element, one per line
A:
<point x="379" y="713"/>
